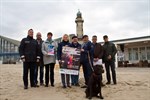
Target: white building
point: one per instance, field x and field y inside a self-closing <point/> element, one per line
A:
<point x="133" y="51"/>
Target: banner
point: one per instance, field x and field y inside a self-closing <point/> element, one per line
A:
<point x="70" y="60"/>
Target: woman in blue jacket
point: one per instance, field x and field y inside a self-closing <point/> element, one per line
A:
<point x="64" y="77"/>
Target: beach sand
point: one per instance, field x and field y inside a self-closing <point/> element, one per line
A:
<point x="133" y="84"/>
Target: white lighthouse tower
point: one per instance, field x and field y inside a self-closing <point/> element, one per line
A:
<point x="79" y="25"/>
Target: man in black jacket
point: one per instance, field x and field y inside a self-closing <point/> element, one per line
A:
<point x="98" y="52"/>
<point x="29" y="52"/>
<point x="109" y="59"/>
<point x="40" y="64"/>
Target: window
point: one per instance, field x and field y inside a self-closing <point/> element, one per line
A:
<point x="148" y="53"/>
<point x="130" y="53"/>
<point x="142" y="53"/>
<point x="135" y="54"/>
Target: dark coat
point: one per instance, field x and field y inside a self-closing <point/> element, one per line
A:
<point x="109" y="49"/>
<point x="40" y="46"/>
<point x="88" y="48"/>
<point x="29" y="49"/>
<point x="59" y="49"/>
<point x="75" y="45"/>
<point x="78" y="46"/>
<point x="98" y="51"/>
<point x="41" y="63"/>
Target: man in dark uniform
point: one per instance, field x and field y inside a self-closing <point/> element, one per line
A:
<point x="109" y="59"/>
<point x="86" y="58"/>
<point x="29" y="52"/>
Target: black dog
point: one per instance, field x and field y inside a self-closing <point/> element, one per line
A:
<point x="94" y="84"/>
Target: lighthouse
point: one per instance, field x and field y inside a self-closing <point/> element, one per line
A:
<point x="79" y="26"/>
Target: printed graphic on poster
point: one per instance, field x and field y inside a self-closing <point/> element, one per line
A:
<point x="70" y="60"/>
<point x="50" y="50"/>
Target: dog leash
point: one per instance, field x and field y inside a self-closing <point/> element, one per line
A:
<point x="90" y="61"/>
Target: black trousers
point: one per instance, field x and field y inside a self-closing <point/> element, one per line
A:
<point x="87" y="71"/>
<point x="108" y="65"/>
<point x="41" y="67"/>
<point x="26" y="67"/>
<point x="49" y="68"/>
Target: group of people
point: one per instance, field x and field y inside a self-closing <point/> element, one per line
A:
<point x="35" y="55"/>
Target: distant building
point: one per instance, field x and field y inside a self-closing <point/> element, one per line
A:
<point x="8" y="50"/>
<point x="133" y="51"/>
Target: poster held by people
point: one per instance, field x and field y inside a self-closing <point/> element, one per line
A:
<point x="71" y="60"/>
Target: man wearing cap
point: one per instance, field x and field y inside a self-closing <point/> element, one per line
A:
<point x="75" y="44"/>
<point x="86" y="58"/>
<point x="109" y="59"/>
<point x="29" y="52"/>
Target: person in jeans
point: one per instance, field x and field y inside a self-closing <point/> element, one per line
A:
<point x="30" y="55"/>
<point x="75" y="44"/>
<point x="109" y="59"/>
<point x="40" y="63"/>
<point x="49" y="48"/>
<point x="65" y="78"/>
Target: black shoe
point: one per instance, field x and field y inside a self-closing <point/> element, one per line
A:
<point x="46" y="85"/>
<point x="77" y="84"/>
<point x="25" y="87"/>
<point x="72" y="84"/>
<point x="64" y="86"/>
<point x="41" y="84"/>
<point x="36" y="85"/>
<point x="115" y="83"/>
<point x="108" y="83"/>
<point x="52" y="85"/>
<point x="69" y="86"/>
<point x="85" y="86"/>
<point x="102" y="84"/>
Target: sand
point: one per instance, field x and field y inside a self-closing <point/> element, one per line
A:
<point x="133" y="84"/>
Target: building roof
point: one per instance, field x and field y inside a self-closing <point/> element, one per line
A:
<point x="129" y="40"/>
<point x="136" y="38"/>
<point x="15" y="42"/>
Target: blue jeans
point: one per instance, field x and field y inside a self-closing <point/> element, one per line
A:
<point x="74" y="79"/>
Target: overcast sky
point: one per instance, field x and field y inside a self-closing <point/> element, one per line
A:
<point x="119" y="19"/>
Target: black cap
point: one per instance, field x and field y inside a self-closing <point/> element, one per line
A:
<point x="84" y="36"/>
<point x="74" y="37"/>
